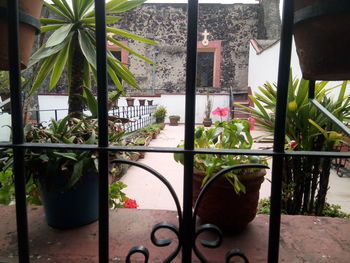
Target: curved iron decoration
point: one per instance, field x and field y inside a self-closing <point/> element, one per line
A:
<point x="136" y="250"/>
<point x="206" y="243"/>
<point x="166" y="242"/>
<point x="235" y="254"/>
<point x="213" y="228"/>
<point x="162" y="225"/>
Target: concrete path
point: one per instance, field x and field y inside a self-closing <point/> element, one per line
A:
<point x="150" y="193"/>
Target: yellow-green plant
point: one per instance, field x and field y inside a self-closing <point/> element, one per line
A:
<point x="305" y="179"/>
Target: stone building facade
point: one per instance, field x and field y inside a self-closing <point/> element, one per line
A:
<point x="227" y="30"/>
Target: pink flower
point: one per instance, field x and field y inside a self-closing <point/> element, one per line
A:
<point x="222" y="112"/>
<point x="293" y="144"/>
<point x="130" y="203"/>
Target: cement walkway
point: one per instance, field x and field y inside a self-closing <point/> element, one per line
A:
<point x="150" y="193"/>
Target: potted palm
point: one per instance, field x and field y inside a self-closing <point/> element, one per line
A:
<point x="174" y="120"/>
<point x="305" y="179"/>
<point x="71" y="47"/>
<point x="160" y="114"/>
<point x="231" y="202"/>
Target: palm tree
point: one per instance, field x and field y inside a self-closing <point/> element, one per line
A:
<point x="72" y="46"/>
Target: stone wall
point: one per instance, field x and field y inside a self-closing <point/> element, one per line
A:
<point x="234" y="25"/>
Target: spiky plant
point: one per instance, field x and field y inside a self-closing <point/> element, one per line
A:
<point x="72" y="46"/>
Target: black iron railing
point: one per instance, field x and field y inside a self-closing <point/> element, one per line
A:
<point x="186" y="231"/>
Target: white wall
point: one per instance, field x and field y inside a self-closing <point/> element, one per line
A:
<point x="264" y="67"/>
<point x="175" y="104"/>
<point x="5" y="131"/>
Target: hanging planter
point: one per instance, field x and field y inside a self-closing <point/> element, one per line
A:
<point x="29" y="13"/>
<point x="322" y="38"/>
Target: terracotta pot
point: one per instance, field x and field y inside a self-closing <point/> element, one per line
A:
<point x="26" y="32"/>
<point x="142" y="102"/>
<point x="130" y="102"/>
<point x="173" y="121"/>
<point x="150" y="102"/>
<point x="207" y="122"/>
<point x="223" y="207"/>
<point x="322" y="41"/>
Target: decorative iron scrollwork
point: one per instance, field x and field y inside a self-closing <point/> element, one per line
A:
<point x="138" y="250"/>
<point x="232" y="254"/>
<point x="166" y="242"/>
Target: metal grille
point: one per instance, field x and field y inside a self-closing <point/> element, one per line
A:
<point x="186" y="230"/>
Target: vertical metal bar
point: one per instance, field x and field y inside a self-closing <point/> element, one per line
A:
<point x="280" y="129"/>
<point x="103" y="130"/>
<point x="17" y="130"/>
<point x="311" y="89"/>
<point x="187" y="229"/>
<point x="55" y="115"/>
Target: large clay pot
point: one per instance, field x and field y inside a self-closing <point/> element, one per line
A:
<point x="223" y="207"/>
<point x="322" y="38"/>
<point x="30" y="11"/>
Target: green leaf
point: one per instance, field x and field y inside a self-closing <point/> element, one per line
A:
<point x="59" y="66"/>
<point x="126" y="6"/>
<point x="65" y="9"/>
<point x="71" y="156"/>
<point x="87" y="79"/>
<point x="62" y="125"/>
<point x="87" y="47"/>
<point x="130" y="50"/>
<point x="114" y="77"/>
<point x="342" y="92"/>
<point x="85" y="6"/>
<point x="47" y="28"/>
<point x="55" y="10"/>
<point x="91" y="102"/>
<point x="59" y="35"/>
<point x="77" y="173"/>
<point x="46" y="21"/>
<point x="127" y="34"/>
<point x="44" y="70"/>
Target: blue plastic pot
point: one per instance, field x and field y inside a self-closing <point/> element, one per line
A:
<point x="72" y="207"/>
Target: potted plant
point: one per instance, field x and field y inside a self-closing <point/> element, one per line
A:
<point x="28" y="28"/>
<point x="142" y="102"/>
<point x="305" y="179"/>
<point x="231" y="202"/>
<point x="207" y="122"/>
<point x="174" y="120"/>
<point x="73" y="30"/>
<point x="130" y="101"/>
<point x="160" y="114"/>
<point x="113" y="97"/>
<point x="68" y="179"/>
<point x="321" y="33"/>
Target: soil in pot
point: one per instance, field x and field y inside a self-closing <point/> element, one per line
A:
<point x="26" y="33"/>
<point x="223" y="207"/>
<point x="73" y="207"/>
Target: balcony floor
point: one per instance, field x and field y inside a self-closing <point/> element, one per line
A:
<point x="303" y="238"/>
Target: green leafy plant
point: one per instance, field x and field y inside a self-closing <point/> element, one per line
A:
<point x="305" y="179"/>
<point x="160" y="114"/>
<point x="208" y="106"/>
<point x="48" y="164"/>
<point x="176" y="117"/>
<point x="72" y="46"/>
<point x="233" y="134"/>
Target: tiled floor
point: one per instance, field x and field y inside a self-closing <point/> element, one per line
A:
<point x="150" y="193"/>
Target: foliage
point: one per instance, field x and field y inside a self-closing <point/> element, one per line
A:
<point x="160" y="112"/>
<point x="49" y="163"/>
<point x="234" y="134"/>
<point x="305" y="179"/>
<point x="177" y="117"/>
<point x="72" y="46"/>
<point x="330" y="210"/>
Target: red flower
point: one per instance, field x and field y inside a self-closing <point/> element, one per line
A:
<point x="222" y="112"/>
<point x="293" y="144"/>
<point x="130" y="203"/>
